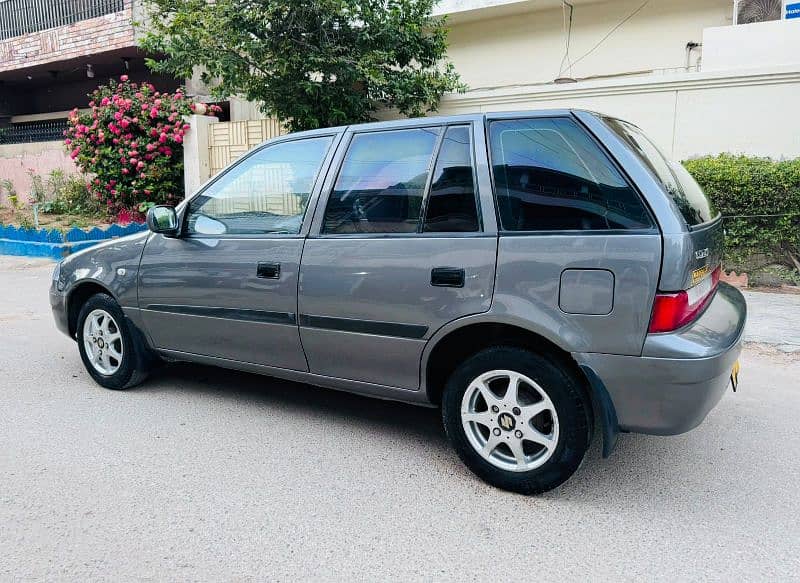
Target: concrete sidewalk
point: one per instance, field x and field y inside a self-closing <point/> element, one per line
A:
<point x="773" y="318"/>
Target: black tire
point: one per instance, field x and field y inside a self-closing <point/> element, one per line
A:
<point x="572" y="406"/>
<point x="136" y="360"/>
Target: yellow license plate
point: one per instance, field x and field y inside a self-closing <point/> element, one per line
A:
<point x="735" y="375"/>
<point x="699" y="274"/>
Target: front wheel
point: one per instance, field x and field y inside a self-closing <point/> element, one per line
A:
<point x="517" y="419"/>
<point x="107" y="346"/>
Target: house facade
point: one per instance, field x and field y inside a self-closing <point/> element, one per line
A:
<point x="52" y="53"/>
<point x="701" y="76"/>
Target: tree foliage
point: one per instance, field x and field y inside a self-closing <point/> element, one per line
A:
<point x="310" y="64"/>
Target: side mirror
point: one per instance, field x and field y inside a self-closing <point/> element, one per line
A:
<point x="163" y="219"/>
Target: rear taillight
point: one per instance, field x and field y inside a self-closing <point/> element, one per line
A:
<point x="674" y="310"/>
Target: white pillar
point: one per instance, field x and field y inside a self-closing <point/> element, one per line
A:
<point x="196" y="153"/>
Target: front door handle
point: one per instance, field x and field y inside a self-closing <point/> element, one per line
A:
<point x="447" y="277"/>
<point x="269" y="270"/>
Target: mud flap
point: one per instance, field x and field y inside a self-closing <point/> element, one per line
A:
<point x="601" y="401"/>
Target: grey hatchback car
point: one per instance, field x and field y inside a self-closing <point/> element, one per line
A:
<point x="540" y="276"/>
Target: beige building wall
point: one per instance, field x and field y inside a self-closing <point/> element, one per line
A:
<point x="751" y="46"/>
<point x="528" y="45"/>
<point x="687" y="114"/>
<point x="740" y="99"/>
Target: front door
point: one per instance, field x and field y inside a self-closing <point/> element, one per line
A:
<point x="398" y="250"/>
<point x="227" y="287"/>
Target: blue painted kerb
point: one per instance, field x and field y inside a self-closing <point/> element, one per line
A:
<point x="55" y="244"/>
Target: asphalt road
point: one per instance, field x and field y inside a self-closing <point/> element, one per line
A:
<point x="203" y="474"/>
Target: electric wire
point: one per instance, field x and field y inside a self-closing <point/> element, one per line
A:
<point x="610" y="32"/>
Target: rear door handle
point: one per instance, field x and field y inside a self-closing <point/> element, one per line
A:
<point x="269" y="270"/>
<point x="447" y="277"/>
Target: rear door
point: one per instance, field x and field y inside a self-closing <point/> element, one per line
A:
<point x="398" y="248"/>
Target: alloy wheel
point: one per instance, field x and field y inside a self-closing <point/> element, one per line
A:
<point x="510" y="420"/>
<point x="102" y="340"/>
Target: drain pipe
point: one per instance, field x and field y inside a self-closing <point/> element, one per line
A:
<point x="690" y="46"/>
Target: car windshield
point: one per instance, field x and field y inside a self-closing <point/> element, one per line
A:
<point x="688" y="196"/>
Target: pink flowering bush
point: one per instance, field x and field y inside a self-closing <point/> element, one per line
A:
<point x="131" y="143"/>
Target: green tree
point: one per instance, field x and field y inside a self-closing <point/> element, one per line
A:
<point x="310" y="64"/>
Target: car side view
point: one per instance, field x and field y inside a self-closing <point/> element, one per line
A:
<point x="541" y="276"/>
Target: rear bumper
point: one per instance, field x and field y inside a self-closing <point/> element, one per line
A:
<point x="680" y="376"/>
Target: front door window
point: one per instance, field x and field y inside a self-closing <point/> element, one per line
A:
<point x="266" y="193"/>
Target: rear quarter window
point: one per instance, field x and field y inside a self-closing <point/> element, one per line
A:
<point x="550" y="175"/>
<point x="688" y="196"/>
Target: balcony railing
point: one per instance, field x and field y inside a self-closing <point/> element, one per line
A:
<point x="18" y="17"/>
<point x="33" y="131"/>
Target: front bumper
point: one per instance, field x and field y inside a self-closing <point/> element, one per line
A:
<point x="58" y="303"/>
<point x="680" y="376"/>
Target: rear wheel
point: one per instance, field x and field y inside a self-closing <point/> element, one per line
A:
<point x="517" y="419"/>
<point x="107" y="344"/>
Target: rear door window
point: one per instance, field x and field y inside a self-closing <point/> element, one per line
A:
<point x="381" y="183"/>
<point x="692" y="202"/>
<point x="550" y="175"/>
<point x="451" y="206"/>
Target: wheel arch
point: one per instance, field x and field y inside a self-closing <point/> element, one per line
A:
<point x="459" y="340"/>
<point x="78" y="296"/>
<point x="453" y="344"/>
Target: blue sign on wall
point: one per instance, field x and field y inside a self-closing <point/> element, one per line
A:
<point x="793" y="10"/>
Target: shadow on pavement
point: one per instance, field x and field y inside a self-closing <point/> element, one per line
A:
<point x="639" y="462"/>
<point x="296" y="398"/>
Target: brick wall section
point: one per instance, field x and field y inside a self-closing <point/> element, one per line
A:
<point x="87" y="37"/>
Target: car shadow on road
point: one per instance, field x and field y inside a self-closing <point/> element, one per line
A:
<point x="300" y="398"/>
<point x="639" y="462"/>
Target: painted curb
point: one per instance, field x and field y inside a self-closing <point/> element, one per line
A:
<point x="55" y="244"/>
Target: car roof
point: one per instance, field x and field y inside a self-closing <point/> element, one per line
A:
<point x="437" y="120"/>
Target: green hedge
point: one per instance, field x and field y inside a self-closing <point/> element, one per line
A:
<point x="759" y="199"/>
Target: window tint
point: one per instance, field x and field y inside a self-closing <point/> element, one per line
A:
<point x="703" y="210"/>
<point x="690" y="199"/>
<point x="266" y="193"/>
<point x="451" y="203"/>
<point x="381" y="183"/>
<point x="550" y="175"/>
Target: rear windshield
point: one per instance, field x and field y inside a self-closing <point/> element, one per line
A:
<point x="690" y="199"/>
